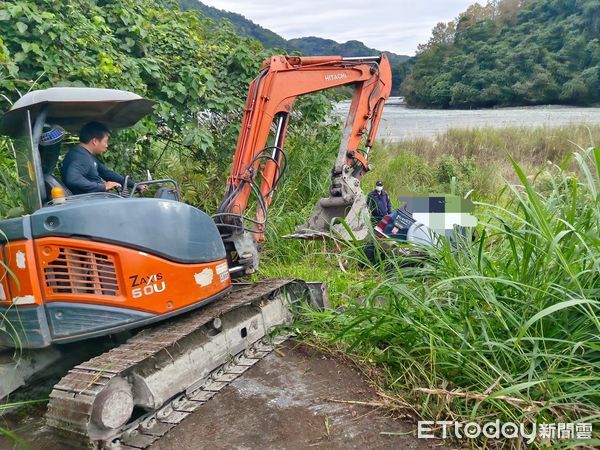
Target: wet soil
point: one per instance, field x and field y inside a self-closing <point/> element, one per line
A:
<point x="294" y="399"/>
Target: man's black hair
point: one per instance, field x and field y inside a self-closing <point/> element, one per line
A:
<point x="92" y="130"/>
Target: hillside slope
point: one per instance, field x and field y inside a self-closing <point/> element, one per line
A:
<point x="241" y="25"/>
<point x="310" y="45"/>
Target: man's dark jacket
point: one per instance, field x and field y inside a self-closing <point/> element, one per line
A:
<point x="82" y="173"/>
<point x="379" y="204"/>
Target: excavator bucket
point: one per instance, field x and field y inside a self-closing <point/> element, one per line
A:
<point x="345" y="217"/>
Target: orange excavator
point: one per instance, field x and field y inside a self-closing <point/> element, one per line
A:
<point x="77" y="267"/>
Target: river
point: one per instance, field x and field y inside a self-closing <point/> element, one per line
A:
<point x="401" y="123"/>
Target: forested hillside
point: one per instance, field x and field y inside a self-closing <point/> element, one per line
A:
<point x="511" y="52"/>
<point x="312" y="45"/>
<point x="309" y="45"/>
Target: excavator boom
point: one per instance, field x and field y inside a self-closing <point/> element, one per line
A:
<point x="256" y="167"/>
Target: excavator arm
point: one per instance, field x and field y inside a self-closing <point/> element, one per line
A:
<point x="257" y="168"/>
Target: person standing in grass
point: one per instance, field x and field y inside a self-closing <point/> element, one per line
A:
<point x="379" y="203"/>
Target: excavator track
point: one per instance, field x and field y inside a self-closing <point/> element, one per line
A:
<point x="131" y="395"/>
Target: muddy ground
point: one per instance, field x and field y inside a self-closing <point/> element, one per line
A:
<point x="293" y="399"/>
<point x="288" y="401"/>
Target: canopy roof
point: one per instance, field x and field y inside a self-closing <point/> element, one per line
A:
<point x="73" y="107"/>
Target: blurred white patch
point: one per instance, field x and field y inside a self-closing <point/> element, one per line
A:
<point x="204" y="278"/>
<point x="25" y="300"/>
<point x="440" y="222"/>
<point x="21" y="260"/>
<point x="2" y="293"/>
<point x="462" y="219"/>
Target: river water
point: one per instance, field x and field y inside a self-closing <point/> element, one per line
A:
<point x="401" y="123"/>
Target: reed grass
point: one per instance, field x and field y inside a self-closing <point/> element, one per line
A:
<point x="477" y="158"/>
<point x="505" y="326"/>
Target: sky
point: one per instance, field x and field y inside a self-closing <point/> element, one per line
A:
<point x="393" y="25"/>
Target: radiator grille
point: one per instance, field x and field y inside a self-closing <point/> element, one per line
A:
<point x="82" y="272"/>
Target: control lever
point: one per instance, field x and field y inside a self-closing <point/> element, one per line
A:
<point x="124" y="188"/>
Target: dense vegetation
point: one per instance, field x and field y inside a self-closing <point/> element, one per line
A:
<point x="309" y="45"/>
<point x="504" y="326"/>
<point x="511" y="52"/>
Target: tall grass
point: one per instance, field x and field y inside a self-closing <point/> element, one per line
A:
<point x="505" y="326"/>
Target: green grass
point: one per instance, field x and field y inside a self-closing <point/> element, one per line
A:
<point x="477" y="158"/>
<point x="506" y="326"/>
<point x="513" y="315"/>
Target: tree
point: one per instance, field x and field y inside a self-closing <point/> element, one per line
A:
<point x="442" y="34"/>
<point x="462" y="95"/>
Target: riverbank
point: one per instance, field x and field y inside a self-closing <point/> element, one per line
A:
<point x="478" y="160"/>
<point x="402" y="123"/>
<point x="500" y="327"/>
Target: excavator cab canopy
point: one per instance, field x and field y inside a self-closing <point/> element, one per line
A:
<point x="69" y="108"/>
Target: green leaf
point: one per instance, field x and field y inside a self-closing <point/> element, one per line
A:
<point x="4" y="15"/>
<point x="36" y="49"/>
<point x="552" y="309"/>
<point x="13" y="70"/>
<point x="596" y="153"/>
<point x="21" y="27"/>
<point x="98" y="20"/>
<point x="19" y="57"/>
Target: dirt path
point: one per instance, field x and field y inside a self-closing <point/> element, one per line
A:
<point x="284" y="402"/>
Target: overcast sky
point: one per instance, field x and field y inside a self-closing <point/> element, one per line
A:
<point x="394" y="25"/>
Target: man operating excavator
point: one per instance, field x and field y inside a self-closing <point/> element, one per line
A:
<point x="82" y="172"/>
